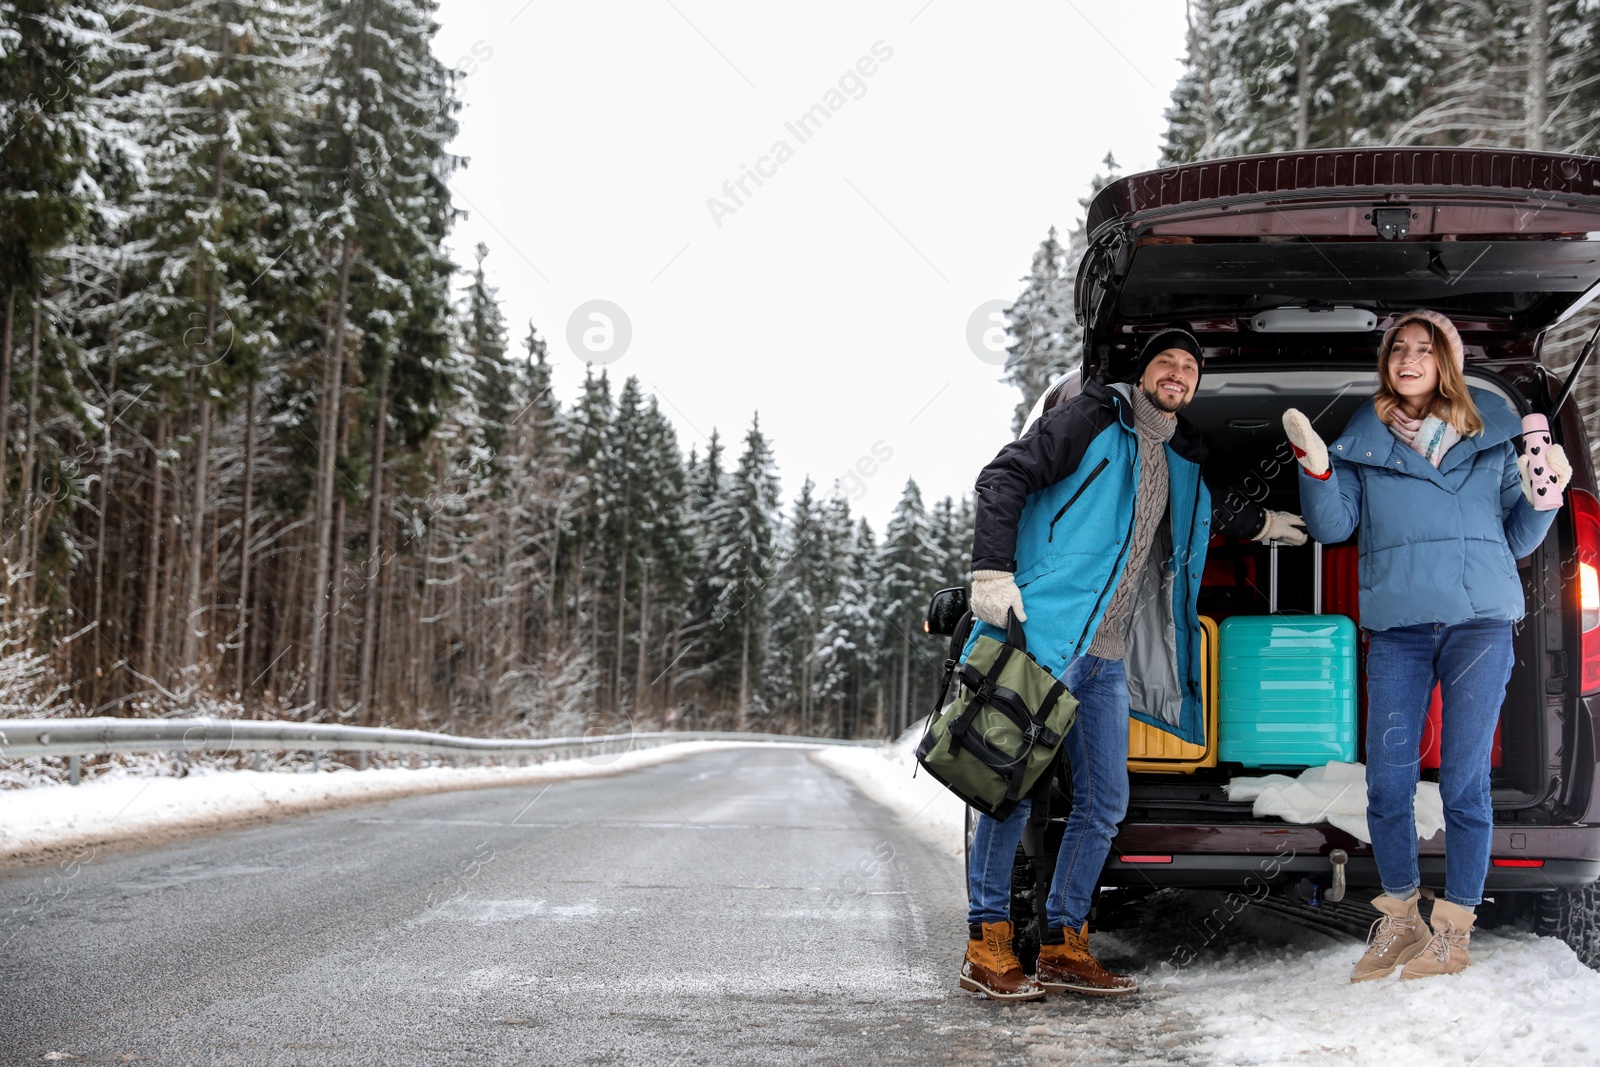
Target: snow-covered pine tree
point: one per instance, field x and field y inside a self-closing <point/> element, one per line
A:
<point x="544" y="494"/>
<point x="1047" y="341"/>
<point x="953" y="527"/>
<point x="667" y="557"/>
<point x="587" y="430"/>
<point x="847" y="645"/>
<point x="910" y="565"/>
<point x="1196" y="116"/>
<point x="58" y="167"/>
<point x="407" y="376"/>
<point x="743" y="546"/>
<point x="548" y="682"/>
<point x="485" y="338"/>
<point x="378" y="170"/>
<point x="626" y="517"/>
<point x="51" y="52"/>
<point x="804" y="585"/>
<point x="861" y="615"/>
<point x="1565" y="104"/>
<point x="1274" y="75"/>
<point x="538" y="402"/>
<point x="709" y="650"/>
<point x="1318" y="73"/>
<point x="200" y="98"/>
<point x="1511" y="73"/>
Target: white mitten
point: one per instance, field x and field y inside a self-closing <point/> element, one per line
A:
<point x="993" y="594"/>
<point x="1543" y="486"/>
<point x="1283" y="526"/>
<point x="1308" y="447"/>
<point x="1561" y="466"/>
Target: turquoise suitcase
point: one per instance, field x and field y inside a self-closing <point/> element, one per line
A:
<point x="1287" y="685"/>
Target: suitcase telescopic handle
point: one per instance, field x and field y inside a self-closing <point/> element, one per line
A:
<point x="1316" y="577"/>
<point x="1272" y="577"/>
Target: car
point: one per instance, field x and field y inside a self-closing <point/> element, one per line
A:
<point x="1288" y="267"/>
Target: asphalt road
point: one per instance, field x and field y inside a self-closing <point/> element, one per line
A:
<point x="737" y="907"/>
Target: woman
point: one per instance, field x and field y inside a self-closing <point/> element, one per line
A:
<point x="1429" y="474"/>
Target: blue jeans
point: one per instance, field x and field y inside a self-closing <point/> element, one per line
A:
<point x="1096" y="748"/>
<point x="1472" y="662"/>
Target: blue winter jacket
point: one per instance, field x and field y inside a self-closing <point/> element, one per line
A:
<point x="1056" y="507"/>
<point x="1436" y="545"/>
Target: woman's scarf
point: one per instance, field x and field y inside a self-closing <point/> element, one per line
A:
<point x="1431" y="437"/>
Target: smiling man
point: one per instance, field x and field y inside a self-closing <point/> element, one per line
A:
<point x="1100" y="512"/>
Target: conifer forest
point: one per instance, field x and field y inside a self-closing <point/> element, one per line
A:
<point x="266" y="450"/>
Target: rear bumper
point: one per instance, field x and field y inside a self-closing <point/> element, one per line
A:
<point x="1248" y="874"/>
<point x="1249" y="856"/>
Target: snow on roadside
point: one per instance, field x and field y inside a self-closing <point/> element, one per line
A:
<point x="884" y="774"/>
<point x="1258" y="990"/>
<point x="1265" y="996"/>
<point x="54" y="818"/>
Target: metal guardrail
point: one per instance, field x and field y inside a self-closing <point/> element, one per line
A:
<point x="75" y="738"/>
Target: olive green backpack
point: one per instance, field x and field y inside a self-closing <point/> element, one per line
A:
<point x="992" y="743"/>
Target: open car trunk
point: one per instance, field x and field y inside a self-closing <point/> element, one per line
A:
<point x="1239" y="412"/>
<point x="1288" y="267"/>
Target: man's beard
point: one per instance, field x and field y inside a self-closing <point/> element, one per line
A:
<point x="1171" y="407"/>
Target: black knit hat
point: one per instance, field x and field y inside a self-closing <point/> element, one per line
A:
<point x="1169" y="338"/>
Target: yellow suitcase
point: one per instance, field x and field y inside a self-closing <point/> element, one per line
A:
<point x="1150" y="749"/>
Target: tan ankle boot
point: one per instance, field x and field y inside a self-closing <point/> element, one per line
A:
<point x="991" y="968"/>
<point x="1069" y="967"/>
<point x="1446" y="951"/>
<point x="1394" y="939"/>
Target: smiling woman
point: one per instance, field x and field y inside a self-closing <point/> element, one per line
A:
<point x="1440" y="591"/>
<point x="1421" y="384"/>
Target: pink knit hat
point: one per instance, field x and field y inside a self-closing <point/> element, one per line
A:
<point x="1441" y="328"/>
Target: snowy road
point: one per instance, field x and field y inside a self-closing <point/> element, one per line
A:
<point x="736" y="907"/>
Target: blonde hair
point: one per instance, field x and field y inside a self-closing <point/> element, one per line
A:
<point x="1451" y="401"/>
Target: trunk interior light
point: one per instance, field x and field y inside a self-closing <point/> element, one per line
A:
<point x="1314" y="320"/>
<point x="1586" y="523"/>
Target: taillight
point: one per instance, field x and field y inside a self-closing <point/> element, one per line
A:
<point x="1588" y="596"/>
<point x="1586" y="522"/>
<point x="1501" y="861"/>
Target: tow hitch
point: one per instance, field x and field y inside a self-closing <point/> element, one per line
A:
<point x="1336" y="891"/>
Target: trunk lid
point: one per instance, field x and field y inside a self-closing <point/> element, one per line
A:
<point x="1507" y="243"/>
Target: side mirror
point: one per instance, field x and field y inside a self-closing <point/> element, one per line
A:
<point x="945" y="610"/>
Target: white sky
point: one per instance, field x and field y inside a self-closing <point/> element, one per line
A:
<point x="835" y="299"/>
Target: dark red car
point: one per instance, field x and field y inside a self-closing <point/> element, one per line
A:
<point x="1288" y="267"/>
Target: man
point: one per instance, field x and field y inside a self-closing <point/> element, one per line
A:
<point x="1100" y="512"/>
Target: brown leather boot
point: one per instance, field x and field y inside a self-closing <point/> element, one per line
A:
<point x="991" y="968"/>
<point x="1067" y="966"/>
<point x="1393" y="939"/>
<point x="1446" y="951"/>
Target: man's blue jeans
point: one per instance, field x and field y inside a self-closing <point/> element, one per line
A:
<point x="1096" y="748"/>
<point x="1472" y="663"/>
